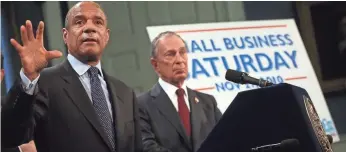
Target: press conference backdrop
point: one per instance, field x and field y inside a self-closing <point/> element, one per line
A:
<point x="270" y="49"/>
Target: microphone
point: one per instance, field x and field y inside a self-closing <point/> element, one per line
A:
<point x="288" y="145"/>
<point x="243" y="78"/>
<point x="330" y="138"/>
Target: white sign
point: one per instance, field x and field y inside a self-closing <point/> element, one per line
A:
<point x="271" y="50"/>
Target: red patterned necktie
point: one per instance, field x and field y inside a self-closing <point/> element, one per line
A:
<point x="183" y="111"/>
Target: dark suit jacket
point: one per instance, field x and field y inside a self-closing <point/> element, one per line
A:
<point x="3" y="123"/>
<point x="10" y="150"/>
<point x="161" y="127"/>
<point x="63" y="118"/>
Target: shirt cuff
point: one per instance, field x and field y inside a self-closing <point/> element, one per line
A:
<point x="20" y="149"/>
<point x="28" y="86"/>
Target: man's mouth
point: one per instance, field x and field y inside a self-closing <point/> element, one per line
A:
<point x="89" y="40"/>
<point x="179" y="71"/>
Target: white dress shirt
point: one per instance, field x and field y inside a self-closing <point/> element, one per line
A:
<point x="81" y="69"/>
<point x="171" y="92"/>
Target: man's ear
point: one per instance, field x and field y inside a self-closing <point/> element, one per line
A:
<point x="64" y="34"/>
<point x="107" y="35"/>
<point x="153" y="62"/>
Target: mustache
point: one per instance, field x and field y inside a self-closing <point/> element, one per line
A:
<point x="89" y="37"/>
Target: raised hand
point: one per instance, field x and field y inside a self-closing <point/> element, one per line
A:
<point x="33" y="55"/>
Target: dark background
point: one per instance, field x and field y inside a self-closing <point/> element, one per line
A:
<point x="326" y="19"/>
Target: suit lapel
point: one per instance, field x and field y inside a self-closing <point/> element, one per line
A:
<point x="119" y="110"/>
<point x="76" y="92"/>
<point x="196" y="114"/>
<point x="165" y="106"/>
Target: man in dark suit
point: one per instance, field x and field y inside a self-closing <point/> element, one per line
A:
<point x="27" y="147"/>
<point x="174" y="118"/>
<point x="74" y="106"/>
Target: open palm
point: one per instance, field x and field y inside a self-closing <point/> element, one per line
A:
<point x="33" y="55"/>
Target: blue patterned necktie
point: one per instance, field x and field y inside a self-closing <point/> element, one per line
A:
<point x="100" y="105"/>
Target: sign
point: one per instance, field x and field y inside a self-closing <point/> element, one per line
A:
<point x="270" y="49"/>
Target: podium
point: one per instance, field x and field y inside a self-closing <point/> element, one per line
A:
<point x="268" y="116"/>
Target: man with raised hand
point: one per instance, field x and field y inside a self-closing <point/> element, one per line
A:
<point x="74" y="106"/>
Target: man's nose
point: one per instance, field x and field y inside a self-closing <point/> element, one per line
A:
<point x="89" y="27"/>
<point x="179" y="58"/>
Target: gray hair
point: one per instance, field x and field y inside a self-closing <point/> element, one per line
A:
<point x="158" y="38"/>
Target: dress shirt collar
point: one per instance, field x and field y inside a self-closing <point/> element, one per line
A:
<point x="81" y="67"/>
<point x="171" y="89"/>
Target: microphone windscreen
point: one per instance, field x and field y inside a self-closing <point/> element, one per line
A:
<point x="234" y="76"/>
<point x="330" y="138"/>
<point x="289" y="145"/>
